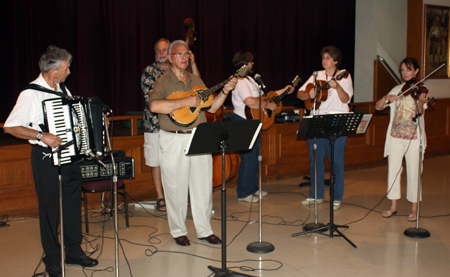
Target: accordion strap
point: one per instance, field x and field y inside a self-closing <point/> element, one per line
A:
<point x="41" y="88"/>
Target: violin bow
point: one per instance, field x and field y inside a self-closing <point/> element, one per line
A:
<point x="421" y="81"/>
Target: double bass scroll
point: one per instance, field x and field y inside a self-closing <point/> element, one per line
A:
<point x="190" y="38"/>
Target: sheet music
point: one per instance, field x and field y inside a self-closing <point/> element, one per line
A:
<point x="255" y="136"/>
<point x="190" y="141"/>
<point x="364" y="123"/>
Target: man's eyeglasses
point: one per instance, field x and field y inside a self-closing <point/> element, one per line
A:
<point x="181" y="54"/>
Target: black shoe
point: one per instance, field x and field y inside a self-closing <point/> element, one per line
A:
<point x="54" y="270"/>
<point x="182" y="240"/>
<point x="213" y="239"/>
<point x="83" y="260"/>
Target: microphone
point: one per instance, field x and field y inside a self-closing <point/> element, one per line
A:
<point x="315" y="73"/>
<point x="89" y="153"/>
<point x="105" y="107"/>
<point x="260" y="82"/>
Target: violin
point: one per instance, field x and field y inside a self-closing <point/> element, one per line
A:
<point x="415" y="89"/>
<point x="406" y="89"/>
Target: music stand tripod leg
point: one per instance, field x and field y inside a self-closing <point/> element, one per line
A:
<point x="338" y="123"/>
<point x="226" y="136"/>
<point x="223" y="271"/>
<point x="334" y="228"/>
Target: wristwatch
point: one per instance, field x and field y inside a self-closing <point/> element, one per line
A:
<point x="39" y="136"/>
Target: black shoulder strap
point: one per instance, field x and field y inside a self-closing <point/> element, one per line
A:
<point x="41" y="88"/>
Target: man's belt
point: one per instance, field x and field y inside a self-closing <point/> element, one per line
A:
<point x="180" y="132"/>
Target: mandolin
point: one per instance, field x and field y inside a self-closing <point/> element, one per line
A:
<point x="185" y="116"/>
<point x="322" y="90"/>
<point x="268" y="116"/>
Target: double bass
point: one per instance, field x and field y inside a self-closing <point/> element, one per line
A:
<point x="232" y="159"/>
<point x="190" y="37"/>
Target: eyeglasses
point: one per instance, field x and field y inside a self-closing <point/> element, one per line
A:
<point x="327" y="58"/>
<point x="181" y="54"/>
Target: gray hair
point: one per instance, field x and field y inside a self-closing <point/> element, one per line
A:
<point x="52" y="58"/>
<point x="159" y="40"/>
<point x="177" y="43"/>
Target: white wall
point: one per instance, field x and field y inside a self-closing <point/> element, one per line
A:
<point x="381" y="29"/>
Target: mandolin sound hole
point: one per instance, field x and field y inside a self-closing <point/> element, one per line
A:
<point x="192" y="109"/>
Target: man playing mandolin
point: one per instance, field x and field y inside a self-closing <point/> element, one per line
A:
<point x="179" y="172"/>
<point x="150" y="120"/>
<point x="339" y="93"/>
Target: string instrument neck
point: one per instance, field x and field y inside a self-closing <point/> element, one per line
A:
<point x="277" y="99"/>
<point x="207" y="92"/>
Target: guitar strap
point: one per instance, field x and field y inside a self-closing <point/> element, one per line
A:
<point x="334" y="74"/>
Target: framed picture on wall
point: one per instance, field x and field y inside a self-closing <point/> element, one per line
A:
<point x="436" y="39"/>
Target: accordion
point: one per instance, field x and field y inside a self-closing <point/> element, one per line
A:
<point x="79" y="121"/>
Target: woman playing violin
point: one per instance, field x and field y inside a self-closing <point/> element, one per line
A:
<point x="340" y="93"/>
<point x="403" y="135"/>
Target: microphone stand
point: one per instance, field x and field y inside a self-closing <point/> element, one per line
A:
<point x="57" y="151"/>
<point x="316" y="225"/>
<point x="61" y="212"/>
<point x="260" y="246"/>
<point x="114" y="179"/>
<point x="418" y="232"/>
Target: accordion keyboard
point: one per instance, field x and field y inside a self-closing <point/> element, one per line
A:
<point x="59" y="120"/>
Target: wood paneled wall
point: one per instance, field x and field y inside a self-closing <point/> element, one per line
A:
<point x="284" y="156"/>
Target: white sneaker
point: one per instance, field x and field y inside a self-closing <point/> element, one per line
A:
<point x="263" y="193"/>
<point x="336" y="205"/>
<point x="310" y="201"/>
<point x="250" y="199"/>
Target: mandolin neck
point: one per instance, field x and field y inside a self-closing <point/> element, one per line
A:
<point x="207" y="92"/>
<point x="278" y="98"/>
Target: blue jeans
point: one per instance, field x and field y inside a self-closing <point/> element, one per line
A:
<point x="247" y="182"/>
<point x="324" y="147"/>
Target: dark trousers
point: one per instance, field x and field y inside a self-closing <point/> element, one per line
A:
<point x="248" y="180"/>
<point x="324" y="148"/>
<point x="45" y="177"/>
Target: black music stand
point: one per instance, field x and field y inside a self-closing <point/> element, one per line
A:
<point x="332" y="126"/>
<point x="215" y="137"/>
